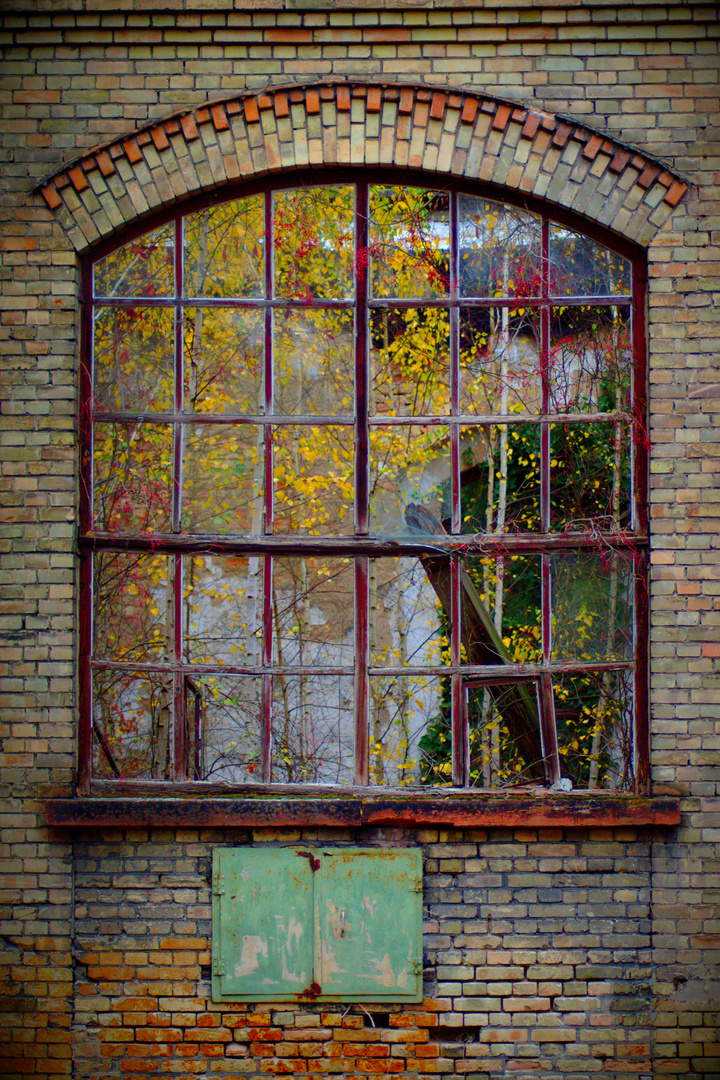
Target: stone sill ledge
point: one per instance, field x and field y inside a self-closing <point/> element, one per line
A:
<point x="360" y="807"/>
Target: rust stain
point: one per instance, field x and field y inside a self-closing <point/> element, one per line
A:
<point x="314" y="863"/>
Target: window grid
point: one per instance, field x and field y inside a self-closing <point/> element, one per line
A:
<point x="363" y="545"/>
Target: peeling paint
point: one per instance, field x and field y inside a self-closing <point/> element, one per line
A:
<point x="253" y="946"/>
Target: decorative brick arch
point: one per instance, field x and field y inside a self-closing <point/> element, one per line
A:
<point x="457" y="134"/>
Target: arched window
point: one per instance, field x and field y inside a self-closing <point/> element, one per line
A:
<point x="363" y="496"/>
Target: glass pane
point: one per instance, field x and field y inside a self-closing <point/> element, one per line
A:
<point x="593" y="713"/>
<point x="133" y="477"/>
<point x="223" y="610"/>
<point x="314" y="242"/>
<point x="133" y="612"/>
<point x="224" y="727"/>
<point x="223" y="365"/>
<point x="590" y="477"/>
<point x="500" y="598"/>
<point x="410" y="362"/>
<point x="406" y="623"/>
<point x="314" y="363"/>
<point x="499" y="361"/>
<point x="592" y="606"/>
<point x="409" y="242"/>
<point x="313" y="729"/>
<point x="409" y="741"/>
<point x="409" y="469"/>
<point x="144" y="267"/>
<point x="313" y="621"/>
<point x="505" y="746"/>
<point x="500" y="480"/>
<point x="223" y="479"/>
<point x="133" y="360"/>
<point x="590" y="360"/>
<point x="580" y="267"/>
<point x="225" y="249"/>
<point x="499" y="249"/>
<point x="313" y="471"/>
<point x="132" y="722"/>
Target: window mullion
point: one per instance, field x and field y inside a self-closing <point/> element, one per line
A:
<point x="459" y="732"/>
<point x="180" y="732"/>
<point x="548" y="730"/>
<point x="362" y="483"/>
<point x="266" y="693"/>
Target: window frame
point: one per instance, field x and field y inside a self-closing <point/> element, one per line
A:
<point x="362" y="546"/>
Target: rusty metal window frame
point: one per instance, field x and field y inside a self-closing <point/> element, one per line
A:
<point x="362" y="546"/>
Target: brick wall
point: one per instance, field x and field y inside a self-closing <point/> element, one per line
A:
<point x="538" y="960"/>
<point x="547" y="955"/>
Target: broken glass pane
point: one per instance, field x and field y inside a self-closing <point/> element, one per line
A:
<point x="313" y="473"/>
<point x="225" y="248"/>
<point x="592" y="605"/>
<point x="499" y="361"/>
<point x="589" y="362"/>
<point x="132" y="722"/>
<point x="593" y="713"/>
<point x="500" y="479"/>
<point x="500" y="596"/>
<point x="133" y="477"/>
<point x="223" y="610"/>
<point x="313" y="729"/>
<point x="133" y="360"/>
<point x="499" y="249"/>
<point x="226" y="713"/>
<point x="580" y="267"/>
<point x="314" y="242"/>
<point x="409" y="242"/>
<point x="410" y="362"/>
<point x="505" y="745"/>
<point x="313" y="363"/>
<point x="223" y="361"/>
<point x="133" y="614"/>
<point x="144" y="267"/>
<point x="409" y="467"/>
<point x="408" y="743"/>
<point x="223" y="479"/>
<point x="313" y="621"/>
<point x="590" y="485"/>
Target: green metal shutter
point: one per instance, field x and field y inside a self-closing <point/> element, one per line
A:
<point x="369" y="913"/>
<point x="262" y="935"/>
<point x="330" y="924"/>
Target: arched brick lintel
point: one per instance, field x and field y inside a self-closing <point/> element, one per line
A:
<point x="447" y="132"/>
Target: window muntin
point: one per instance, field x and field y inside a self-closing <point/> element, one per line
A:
<point x="366" y="510"/>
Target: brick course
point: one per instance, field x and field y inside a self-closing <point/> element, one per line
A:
<point x="548" y="953"/>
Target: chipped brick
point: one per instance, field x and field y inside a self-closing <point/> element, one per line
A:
<point x="133" y="152"/>
<point x="220" y="120"/>
<point x="159" y="138"/>
<point x="592" y="147"/>
<point x="619" y="161"/>
<point x="252" y="114"/>
<point x="501" y="118"/>
<point x="675" y="193"/>
<point x="437" y="107"/>
<point x="188" y="128"/>
<point x="51" y="197"/>
<point x="374" y="99"/>
<point x="530" y="126"/>
<point x="407" y="100"/>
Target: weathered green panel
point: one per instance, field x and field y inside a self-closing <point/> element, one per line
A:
<point x="262" y="923"/>
<point x="339" y="924"/>
<point x="369" y="917"/>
